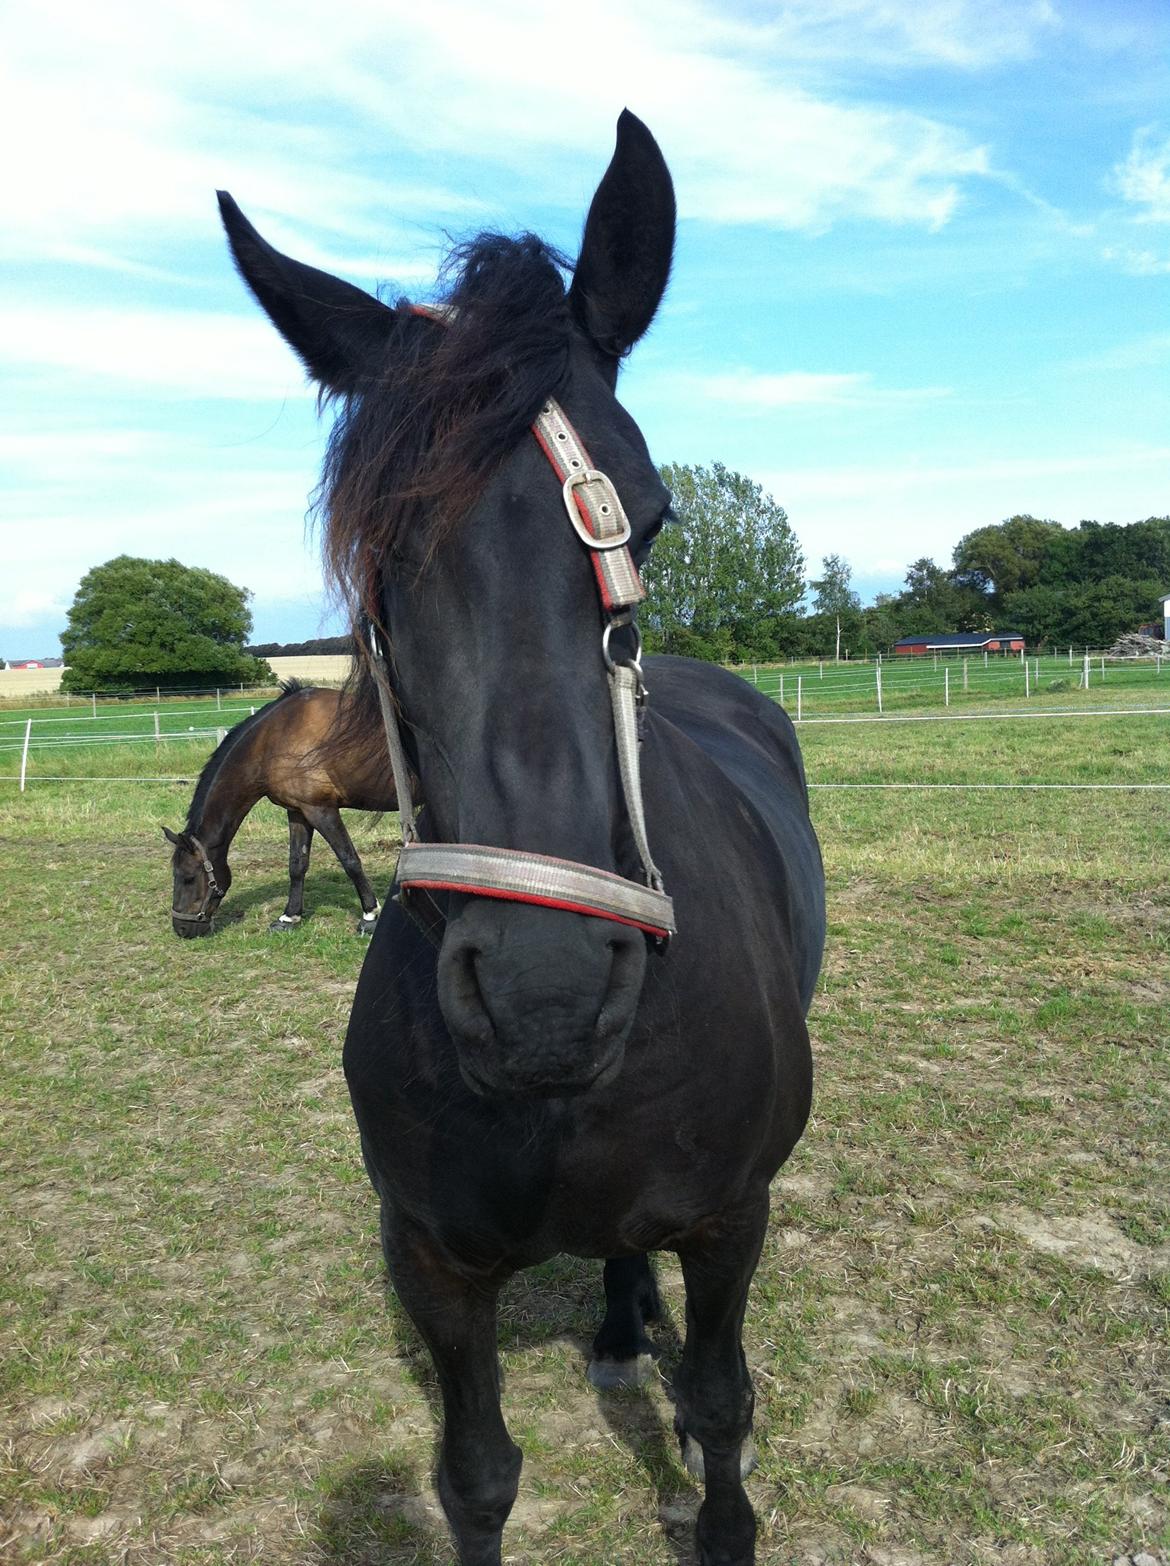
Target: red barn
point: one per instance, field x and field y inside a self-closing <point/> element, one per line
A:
<point x="958" y="642"/>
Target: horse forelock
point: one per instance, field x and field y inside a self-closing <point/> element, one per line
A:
<point x="414" y="449"/>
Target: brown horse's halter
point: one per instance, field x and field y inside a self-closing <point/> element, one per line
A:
<point x="212" y="891"/>
<point x="600" y="522"/>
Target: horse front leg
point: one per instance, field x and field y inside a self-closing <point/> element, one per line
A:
<point x="713" y="1388"/>
<point x="300" y="843"/>
<point x="479" y="1464"/>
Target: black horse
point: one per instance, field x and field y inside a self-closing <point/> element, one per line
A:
<point x="542" y="1080"/>
<point x="299" y="752"/>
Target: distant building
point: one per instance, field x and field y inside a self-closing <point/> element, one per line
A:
<point x="1166" y="619"/>
<point x="960" y="642"/>
<point x="36" y="663"/>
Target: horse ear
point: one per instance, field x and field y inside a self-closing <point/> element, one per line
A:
<point x="628" y="243"/>
<point x="339" y="332"/>
<point x="172" y="837"/>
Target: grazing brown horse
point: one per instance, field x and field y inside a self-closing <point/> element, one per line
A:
<point x="294" y="753"/>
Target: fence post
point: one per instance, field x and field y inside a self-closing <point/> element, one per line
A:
<point x="985" y="657"/>
<point x="1027" y="681"/>
<point x="878" y="671"/>
<point x="822" y="668"/>
<point x="93" y="698"/>
<point x="964" y="673"/>
<point x="156" y="735"/>
<point x="782" y="690"/>
<point x="157" y="695"/>
<point x="1085" y="675"/>
<point x="218" y="702"/>
<point x="220" y="736"/>
<point x="799" y="695"/>
<point x="946" y="687"/>
<point x="24" y="753"/>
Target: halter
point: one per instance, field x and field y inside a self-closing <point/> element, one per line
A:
<point x="212" y="885"/>
<point x="600" y="522"/>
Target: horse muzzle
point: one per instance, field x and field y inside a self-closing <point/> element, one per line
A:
<point x="539" y="1002"/>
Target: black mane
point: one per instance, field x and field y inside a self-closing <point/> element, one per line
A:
<point x="229" y="742"/>
<point x="417" y="446"/>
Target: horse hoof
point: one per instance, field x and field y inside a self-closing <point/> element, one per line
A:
<point x="692" y="1455"/>
<point x="284" y="923"/>
<point x="606" y="1374"/>
<point x="367" y="926"/>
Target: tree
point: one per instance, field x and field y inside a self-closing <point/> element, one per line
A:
<point x="836" y="615"/>
<point x="136" y="623"/>
<point x="1015" y="554"/>
<point x="725" y="583"/>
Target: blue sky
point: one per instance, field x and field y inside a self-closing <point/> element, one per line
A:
<point x="921" y="280"/>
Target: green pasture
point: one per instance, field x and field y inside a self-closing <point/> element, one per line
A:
<point x="958" y="684"/>
<point x="958" y="1332"/>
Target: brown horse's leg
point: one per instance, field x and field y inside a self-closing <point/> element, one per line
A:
<point x="479" y="1464"/>
<point x="328" y="822"/>
<point x="713" y="1387"/>
<point x="300" y="842"/>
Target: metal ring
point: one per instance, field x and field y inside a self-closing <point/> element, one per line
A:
<point x="635" y="662"/>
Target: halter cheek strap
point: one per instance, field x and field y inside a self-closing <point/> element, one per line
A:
<point x="212" y="886"/>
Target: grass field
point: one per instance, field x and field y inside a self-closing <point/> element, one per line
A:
<point x="958" y="1331"/>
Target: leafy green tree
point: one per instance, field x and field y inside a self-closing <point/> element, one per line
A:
<point x="136" y="623"/>
<point x="1015" y="554"/>
<point x="1085" y="614"/>
<point x="835" y="624"/>
<point x="725" y="583"/>
<point x="934" y="601"/>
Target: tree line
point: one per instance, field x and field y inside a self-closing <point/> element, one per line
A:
<point x="726" y="581"/>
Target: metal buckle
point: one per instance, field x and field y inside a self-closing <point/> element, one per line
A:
<point x="592" y="476"/>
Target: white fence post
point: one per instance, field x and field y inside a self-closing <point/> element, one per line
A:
<point x="24" y="753"/>
<point x="218" y="702"/>
<point x="878" y="671"/>
<point x="964" y="673"/>
<point x="220" y="736"/>
<point x="799" y="695"/>
<point x="156" y="734"/>
<point x="946" y="687"/>
<point x="93" y="698"/>
<point x="1085" y="674"/>
<point x="1027" y="681"/>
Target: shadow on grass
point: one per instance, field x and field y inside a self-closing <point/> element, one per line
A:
<point x="374" y="1514"/>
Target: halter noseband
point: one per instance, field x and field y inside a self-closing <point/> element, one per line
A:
<point x="212" y="885"/>
<point x="600" y="522"/>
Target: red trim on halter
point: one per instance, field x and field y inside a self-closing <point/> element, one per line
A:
<point x="535" y="897"/>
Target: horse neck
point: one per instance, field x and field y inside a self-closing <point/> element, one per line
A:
<point x="230" y="795"/>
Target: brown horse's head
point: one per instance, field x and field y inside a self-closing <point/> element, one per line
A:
<point x="201" y="881"/>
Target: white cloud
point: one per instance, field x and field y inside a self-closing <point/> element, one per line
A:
<point x="124" y="125"/>
<point x="799" y="389"/>
<point x="1144" y="178"/>
<point x="188" y="353"/>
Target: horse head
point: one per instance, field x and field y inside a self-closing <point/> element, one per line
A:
<point x="200" y="884"/>
<point x="447" y="527"/>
